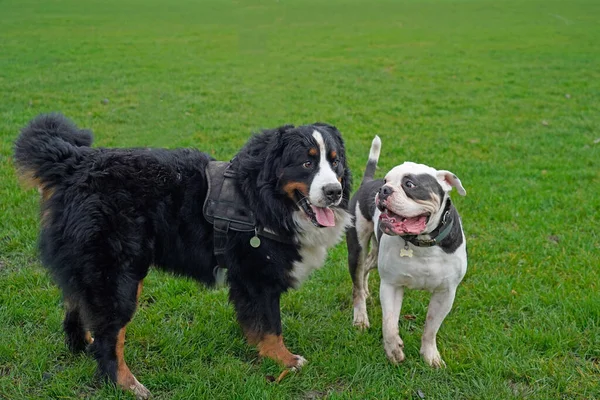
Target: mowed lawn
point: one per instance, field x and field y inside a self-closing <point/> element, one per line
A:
<point x="506" y="94"/>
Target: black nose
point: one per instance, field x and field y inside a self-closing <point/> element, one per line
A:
<point x="385" y="192"/>
<point x="332" y="192"/>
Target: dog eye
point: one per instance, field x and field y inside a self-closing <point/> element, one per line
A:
<point x="335" y="163"/>
<point x="409" y="184"/>
<point x="307" y="165"/>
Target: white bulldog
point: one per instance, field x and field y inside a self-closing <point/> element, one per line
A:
<point x="417" y="242"/>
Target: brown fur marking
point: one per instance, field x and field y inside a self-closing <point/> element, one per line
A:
<point x="272" y="346"/>
<point x="333" y="154"/>
<point x="291" y="187"/>
<point x="88" y="337"/>
<point x="313" y="151"/>
<point x="27" y="178"/>
<point x="125" y="378"/>
<point x="139" y="290"/>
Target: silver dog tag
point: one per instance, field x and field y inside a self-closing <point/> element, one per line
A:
<point x="406" y="253"/>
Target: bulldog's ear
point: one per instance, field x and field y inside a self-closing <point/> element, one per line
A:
<point x="448" y="180"/>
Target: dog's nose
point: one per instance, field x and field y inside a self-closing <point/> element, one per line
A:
<point x="332" y="192"/>
<point x="385" y="192"/>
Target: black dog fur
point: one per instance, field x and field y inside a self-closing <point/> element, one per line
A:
<point x="108" y="214"/>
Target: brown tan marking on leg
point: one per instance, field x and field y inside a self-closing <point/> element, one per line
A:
<point x="125" y="379"/>
<point x="272" y="346"/>
<point x="139" y="290"/>
<point x="88" y="337"/>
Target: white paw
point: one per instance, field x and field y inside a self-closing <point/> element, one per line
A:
<point x="393" y="350"/>
<point x="361" y="319"/>
<point x="432" y="357"/>
<point x="300" y="362"/>
<point x="140" y="391"/>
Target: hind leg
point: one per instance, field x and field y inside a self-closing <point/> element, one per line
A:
<point x="370" y="263"/>
<point x="76" y="336"/>
<point x="109" y="343"/>
<point x="359" y="265"/>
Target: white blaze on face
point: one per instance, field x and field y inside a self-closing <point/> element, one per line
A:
<point x="325" y="175"/>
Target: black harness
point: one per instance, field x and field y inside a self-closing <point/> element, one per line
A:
<point x="227" y="211"/>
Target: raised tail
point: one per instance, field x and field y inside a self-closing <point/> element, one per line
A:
<point x="373" y="158"/>
<point x="48" y="148"/>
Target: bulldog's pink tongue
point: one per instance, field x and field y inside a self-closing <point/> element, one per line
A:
<point x="324" y="216"/>
<point x="393" y="224"/>
<point x="414" y="225"/>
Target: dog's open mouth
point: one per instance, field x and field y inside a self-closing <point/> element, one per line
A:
<point x="394" y="224"/>
<point x="319" y="216"/>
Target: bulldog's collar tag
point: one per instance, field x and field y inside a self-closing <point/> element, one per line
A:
<point x="406" y="251"/>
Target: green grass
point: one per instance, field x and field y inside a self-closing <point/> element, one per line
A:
<point x="506" y="94"/>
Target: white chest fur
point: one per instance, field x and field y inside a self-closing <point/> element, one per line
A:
<point x="430" y="268"/>
<point x="314" y="243"/>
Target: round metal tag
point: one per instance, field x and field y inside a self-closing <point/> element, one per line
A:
<point x="255" y="241"/>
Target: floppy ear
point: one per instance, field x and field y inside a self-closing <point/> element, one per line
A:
<point x="273" y="151"/>
<point x="448" y="180"/>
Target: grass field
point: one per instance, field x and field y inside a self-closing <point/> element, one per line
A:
<point x="506" y="94"/>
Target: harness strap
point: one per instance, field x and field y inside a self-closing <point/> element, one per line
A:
<point x="227" y="211"/>
<point x="221" y="227"/>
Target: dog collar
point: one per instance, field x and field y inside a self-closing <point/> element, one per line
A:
<point x="439" y="233"/>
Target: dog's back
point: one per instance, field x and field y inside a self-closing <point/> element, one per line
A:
<point x="108" y="204"/>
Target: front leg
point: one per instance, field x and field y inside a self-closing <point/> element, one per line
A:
<point x="391" y="304"/>
<point x="258" y="312"/>
<point x="439" y="306"/>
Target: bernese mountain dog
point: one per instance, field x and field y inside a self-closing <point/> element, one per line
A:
<point x="108" y="214"/>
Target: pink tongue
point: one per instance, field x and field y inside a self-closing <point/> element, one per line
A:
<point x="414" y="225"/>
<point x="411" y="226"/>
<point x="324" y="216"/>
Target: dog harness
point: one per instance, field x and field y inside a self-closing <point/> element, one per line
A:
<point x="227" y="211"/>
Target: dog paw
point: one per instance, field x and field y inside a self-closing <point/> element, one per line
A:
<point x="361" y="321"/>
<point x="393" y="350"/>
<point x="433" y="358"/>
<point x="296" y="363"/>
<point x="140" y="391"/>
<point x="128" y="382"/>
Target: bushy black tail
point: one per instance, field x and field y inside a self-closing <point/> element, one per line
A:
<point x="48" y="148"/>
<point x="373" y="158"/>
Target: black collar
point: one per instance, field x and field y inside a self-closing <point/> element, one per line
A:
<point x="438" y="234"/>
